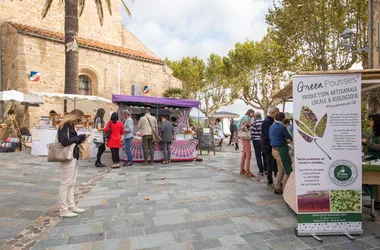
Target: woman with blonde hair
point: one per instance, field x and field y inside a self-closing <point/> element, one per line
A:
<point x="67" y="135"/>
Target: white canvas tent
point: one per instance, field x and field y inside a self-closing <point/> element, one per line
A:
<point x="16" y="96"/>
<point x="74" y="98"/>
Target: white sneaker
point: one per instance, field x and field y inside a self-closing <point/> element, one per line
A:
<point x="68" y="214"/>
<point x="77" y="210"/>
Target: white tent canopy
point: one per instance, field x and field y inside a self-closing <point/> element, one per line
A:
<point x="16" y="96"/>
<point x="71" y="97"/>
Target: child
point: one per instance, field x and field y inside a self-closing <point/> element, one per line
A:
<point x="236" y="141"/>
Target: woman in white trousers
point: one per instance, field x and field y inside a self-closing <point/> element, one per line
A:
<point x="67" y="136"/>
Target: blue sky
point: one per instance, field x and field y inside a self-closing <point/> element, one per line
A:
<point x="178" y="28"/>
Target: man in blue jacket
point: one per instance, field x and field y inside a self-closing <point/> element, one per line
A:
<point x="265" y="144"/>
<point x="279" y="138"/>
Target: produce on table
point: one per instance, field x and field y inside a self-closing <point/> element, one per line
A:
<point x="345" y="200"/>
<point x="316" y="201"/>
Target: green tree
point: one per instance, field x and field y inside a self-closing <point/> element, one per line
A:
<point x="191" y="71"/>
<point x="73" y="9"/>
<point x="309" y="31"/>
<point x="257" y="70"/>
<point x="173" y="93"/>
<point x="208" y="84"/>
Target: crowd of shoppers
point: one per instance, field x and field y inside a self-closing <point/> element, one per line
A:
<point x="270" y="138"/>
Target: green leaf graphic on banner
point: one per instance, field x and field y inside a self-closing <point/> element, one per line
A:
<point x="304" y="128"/>
<point x="308" y="118"/>
<point x="310" y="128"/>
<point x="305" y="136"/>
<point x="321" y="126"/>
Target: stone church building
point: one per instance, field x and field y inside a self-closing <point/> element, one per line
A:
<point x="32" y="44"/>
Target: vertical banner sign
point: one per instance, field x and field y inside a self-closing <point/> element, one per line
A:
<point x="327" y="153"/>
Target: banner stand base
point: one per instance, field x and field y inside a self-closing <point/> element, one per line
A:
<point x="316" y="234"/>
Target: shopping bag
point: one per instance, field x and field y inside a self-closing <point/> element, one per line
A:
<point x="97" y="136"/>
<point x="84" y="151"/>
<point x="59" y="153"/>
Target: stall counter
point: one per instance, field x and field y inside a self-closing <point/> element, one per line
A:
<point x="181" y="150"/>
<point x="42" y="137"/>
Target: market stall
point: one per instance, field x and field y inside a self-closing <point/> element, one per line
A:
<point x="334" y="96"/>
<point x="45" y="130"/>
<point x="11" y="136"/>
<point x="183" y="147"/>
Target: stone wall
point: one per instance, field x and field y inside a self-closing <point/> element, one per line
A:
<point x="9" y="65"/>
<point x="29" y="12"/>
<point x="46" y="57"/>
<point x="132" y="42"/>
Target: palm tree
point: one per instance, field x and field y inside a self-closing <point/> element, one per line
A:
<point x="173" y="93"/>
<point x="72" y="9"/>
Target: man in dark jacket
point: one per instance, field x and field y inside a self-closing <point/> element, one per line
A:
<point x="167" y="131"/>
<point x="233" y="130"/>
<point x="265" y="144"/>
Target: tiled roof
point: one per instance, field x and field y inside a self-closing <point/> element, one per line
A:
<point x="87" y="43"/>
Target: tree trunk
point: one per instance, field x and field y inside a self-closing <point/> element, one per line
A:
<point x="71" y="47"/>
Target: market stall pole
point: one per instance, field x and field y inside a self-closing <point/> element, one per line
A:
<point x="370" y="79"/>
<point x="183" y="147"/>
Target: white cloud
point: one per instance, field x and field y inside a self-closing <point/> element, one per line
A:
<point x="178" y="28"/>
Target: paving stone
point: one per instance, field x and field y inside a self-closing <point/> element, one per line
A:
<point x="259" y="245"/>
<point x="169" y="219"/>
<point x="153" y="240"/>
<point x="116" y="225"/>
<point x="164" y="228"/>
<point x="125" y="233"/>
<point x="231" y="240"/>
<point x="69" y="222"/>
<point x="85" y="238"/>
<point x="69" y="247"/>
<point x="56" y="232"/>
<point x="142" y="222"/>
<point x="29" y="215"/>
<point x="259" y="236"/>
<point x="206" y="244"/>
<point x="222" y="221"/>
<point x="8" y="232"/>
<point x="332" y="247"/>
<point x="187" y="235"/>
<point x="283" y="232"/>
<point x="327" y="240"/>
<point x="240" y="211"/>
<point x="373" y="241"/>
<point x="198" y="224"/>
<point x="240" y="228"/>
<point x="50" y="243"/>
<point x="108" y="212"/>
<point x="354" y="245"/>
<point x="287" y="242"/>
<point x="214" y="232"/>
<point x="108" y="244"/>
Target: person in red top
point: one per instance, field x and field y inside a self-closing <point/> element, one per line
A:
<point x="114" y="141"/>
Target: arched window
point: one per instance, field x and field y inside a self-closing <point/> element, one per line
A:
<point x="84" y="85"/>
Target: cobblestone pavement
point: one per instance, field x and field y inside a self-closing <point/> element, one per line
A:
<point x="28" y="189"/>
<point x="194" y="205"/>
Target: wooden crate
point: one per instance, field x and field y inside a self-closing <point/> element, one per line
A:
<point x="372" y="178"/>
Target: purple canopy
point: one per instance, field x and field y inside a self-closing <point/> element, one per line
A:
<point x="154" y="101"/>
